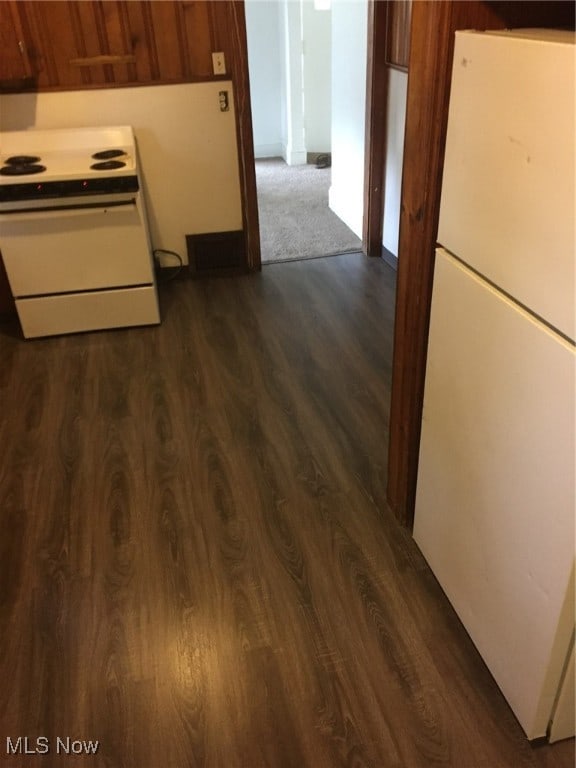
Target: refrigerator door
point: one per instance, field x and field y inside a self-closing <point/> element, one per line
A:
<point x="508" y="190"/>
<point x="495" y="496"/>
<point x="563" y="716"/>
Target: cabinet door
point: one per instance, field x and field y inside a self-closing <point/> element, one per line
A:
<point x="15" y="66"/>
<point x="76" y="45"/>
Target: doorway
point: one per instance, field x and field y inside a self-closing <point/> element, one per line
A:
<point x="308" y="118"/>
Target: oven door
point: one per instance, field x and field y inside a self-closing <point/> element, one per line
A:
<point x="75" y="248"/>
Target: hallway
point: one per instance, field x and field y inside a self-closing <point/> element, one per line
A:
<point x="295" y="219"/>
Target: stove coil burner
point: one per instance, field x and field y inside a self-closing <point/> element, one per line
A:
<point x="24" y="169"/>
<point x="107" y="165"/>
<point x="22" y="160"/>
<point x="108" y="154"/>
<point x="21" y="165"/>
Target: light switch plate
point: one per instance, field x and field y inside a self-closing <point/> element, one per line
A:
<point x="218" y="63"/>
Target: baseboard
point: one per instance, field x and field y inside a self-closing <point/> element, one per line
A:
<point x="263" y="151"/>
<point x="389" y="258"/>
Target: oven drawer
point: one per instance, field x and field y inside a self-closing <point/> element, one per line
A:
<point x="75" y="249"/>
<point x="53" y="315"/>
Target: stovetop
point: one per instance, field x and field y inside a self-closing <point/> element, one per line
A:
<point x="62" y="154"/>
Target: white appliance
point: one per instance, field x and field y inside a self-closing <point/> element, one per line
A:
<point x="73" y="230"/>
<point x="495" y="498"/>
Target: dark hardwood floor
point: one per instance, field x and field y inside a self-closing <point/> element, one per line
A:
<point x="197" y="565"/>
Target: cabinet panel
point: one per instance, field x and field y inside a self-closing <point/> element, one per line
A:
<point x="76" y="45"/>
<point x="54" y="39"/>
<point x="142" y="42"/>
<point x="103" y="48"/>
<point x="15" y="66"/>
<point x="196" y="21"/>
<point x="164" y="19"/>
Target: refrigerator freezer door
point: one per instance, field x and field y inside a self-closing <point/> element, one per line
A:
<point x="508" y="198"/>
<point x="495" y="496"/>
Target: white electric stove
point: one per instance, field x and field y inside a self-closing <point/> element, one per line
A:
<point x="73" y="230"/>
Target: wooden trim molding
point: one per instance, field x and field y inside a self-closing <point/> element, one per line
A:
<point x="375" y="131"/>
<point x="245" y="138"/>
<point x="426" y="117"/>
<point x="398" y="37"/>
<point x="229" y="26"/>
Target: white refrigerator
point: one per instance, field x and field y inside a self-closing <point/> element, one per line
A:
<point x="495" y="499"/>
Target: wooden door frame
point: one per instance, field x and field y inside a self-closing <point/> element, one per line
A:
<point x="424" y="139"/>
<point x="375" y="129"/>
<point x="228" y="24"/>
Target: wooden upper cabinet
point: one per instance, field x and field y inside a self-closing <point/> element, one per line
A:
<point x="398" y="38"/>
<point x="15" y="67"/>
<point x="55" y="45"/>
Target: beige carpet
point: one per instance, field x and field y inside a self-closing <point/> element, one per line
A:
<point x="295" y="220"/>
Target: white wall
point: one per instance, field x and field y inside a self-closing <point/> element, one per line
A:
<point x="289" y="62"/>
<point x="187" y="147"/>
<point x="397" y="91"/>
<point x="295" y="153"/>
<point x="264" y="28"/>
<point x="317" y="64"/>
<point x="349" y="51"/>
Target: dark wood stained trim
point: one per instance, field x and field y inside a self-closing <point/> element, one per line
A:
<point x="375" y="133"/>
<point x="398" y="33"/>
<point x="430" y="64"/>
<point x="228" y="24"/>
<point x="423" y="152"/>
<point x="245" y="137"/>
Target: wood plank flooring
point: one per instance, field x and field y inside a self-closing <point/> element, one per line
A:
<point x="197" y="565"/>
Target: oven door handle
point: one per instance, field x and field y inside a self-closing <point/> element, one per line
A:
<point x="76" y="211"/>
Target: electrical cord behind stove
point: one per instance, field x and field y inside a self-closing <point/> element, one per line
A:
<point x="163" y="251"/>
